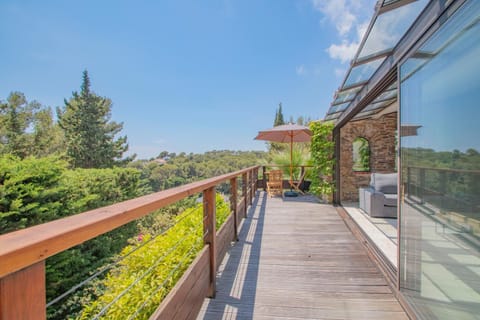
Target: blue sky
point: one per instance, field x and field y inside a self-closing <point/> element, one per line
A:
<point x="184" y="76"/>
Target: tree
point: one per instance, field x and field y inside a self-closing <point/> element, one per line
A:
<point x="16" y="116"/>
<point x="279" y="116"/>
<point x="47" y="135"/>
<point x="89" y="133"/>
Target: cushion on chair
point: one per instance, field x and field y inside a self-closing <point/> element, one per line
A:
<point x="390" y="200"/>
<point x="384" y="182"/>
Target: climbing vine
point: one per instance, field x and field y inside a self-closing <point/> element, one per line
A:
<point x="322" y="155"/>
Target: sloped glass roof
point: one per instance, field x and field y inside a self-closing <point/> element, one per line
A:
<point x="389" y="27"/>
<point x="346" y="95"/>
<point x="339" y="107"/>
<point x="389" y="24"/>
<point x="362" y="73"/>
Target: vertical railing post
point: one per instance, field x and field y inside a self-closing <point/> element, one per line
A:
<point x="422" y="186"/>
<point x="244" y="194"/>
<point x="255" y="180"/>
<point x="250" y="180"/>
<point x="442" y="177"/>
<point x="409" y="181"/>
<point x="264" y="177"/>
<point x="233" y="205"/>
<point x="209" y="235"/>
<point x="22" y="294"/>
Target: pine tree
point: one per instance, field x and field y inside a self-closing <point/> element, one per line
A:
<point x="16" y="116"/>
<point x="279" y="116"/>
<point x="277" y="122"/>
<point x="89" y="133"/>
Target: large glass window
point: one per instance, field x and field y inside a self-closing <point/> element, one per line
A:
<point x="439" y="265"/>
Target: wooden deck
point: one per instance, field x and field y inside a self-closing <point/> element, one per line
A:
<point x="296" y="259"/>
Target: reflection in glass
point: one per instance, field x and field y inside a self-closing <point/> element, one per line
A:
<point x="346" y="95"/>
<point x="333" y="116"/>
<point x="389" y="27"/>
<point x="338" y="107"/>
<point x="378" y="105"/>
<point x="440" y="161"/>
<point x="362" y="73"/>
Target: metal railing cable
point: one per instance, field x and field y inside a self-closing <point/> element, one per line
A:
<point x="162" y="285"/>
<point x="137" y="280"/>
<point x="116" y="262"/>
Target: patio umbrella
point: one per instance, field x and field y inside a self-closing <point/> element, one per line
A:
<point x="286" y="133"/>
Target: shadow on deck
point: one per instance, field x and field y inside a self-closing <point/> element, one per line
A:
<point x="296" y="259"/>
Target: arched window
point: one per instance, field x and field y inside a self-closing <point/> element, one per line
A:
<point x="361" y="154"/>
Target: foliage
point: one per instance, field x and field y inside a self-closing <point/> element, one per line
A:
<point x="89" y="133"/>
<point x="30" y="191"/>
<point x="143" y="279"/>
<point x="34" y="191"/>
<point x="300" y="156"/>
<point x="455" y="190"/>
<point x="361" y="154"/>
<point x="86" y="189"/>
<point x="185" y="168"/>
<point x="322" y="154"/>
<point x="279" y="116"/>
<point x="17" y="119"/>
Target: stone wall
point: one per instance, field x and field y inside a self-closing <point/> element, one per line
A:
<point x="380" y="134"/>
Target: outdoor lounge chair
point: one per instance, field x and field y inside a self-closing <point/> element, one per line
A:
<point x="298" y="184"/>
<point x="275" y="182"/>
<point x="379" y="199"/>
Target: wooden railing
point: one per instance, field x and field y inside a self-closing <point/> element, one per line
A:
<point x="23" y="252"/>
<point x="426" y="182"/>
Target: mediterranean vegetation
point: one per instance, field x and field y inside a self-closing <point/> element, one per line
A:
<point x="452" y="177"/>
<point x="57" y="163"/>
<point x="53" y="167"/>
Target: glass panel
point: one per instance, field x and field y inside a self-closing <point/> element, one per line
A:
<point x="361" y="154"/>
<point x="387" y="2"/>
<point x="346" y="95"/>
<point x="387" y="95"/>
<point x="378" y="105"/>
<point x="439" y="266"/>
<point x="362" y="73"/>
<point x="389" y="27"/>
<point x="338" y="107"/>
<point x="333" y="116"/>
<point x="364" y="114"/>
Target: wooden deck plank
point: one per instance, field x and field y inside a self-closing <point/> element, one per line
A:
<point x="298" y="260"/>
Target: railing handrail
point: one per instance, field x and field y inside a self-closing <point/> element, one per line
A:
<point x="445" y="169"/>
<point x="287" y="165"/>
<point x="23" y="248"/>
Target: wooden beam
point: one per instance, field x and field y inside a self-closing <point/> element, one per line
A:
<point x="233" y="205"/>
<point x="22" y="294"/>
<point x="209" y="210"/>
<point x="244" y="194"/>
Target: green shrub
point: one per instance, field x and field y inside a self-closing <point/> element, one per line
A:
<point x="322" y="155"/>
<point x="137" y="285"/>
<point x="30" y="191"/>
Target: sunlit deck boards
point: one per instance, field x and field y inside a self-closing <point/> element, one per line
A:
<point x="298" y="260"/>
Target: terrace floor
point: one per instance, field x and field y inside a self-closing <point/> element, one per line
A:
<point x="296" y="259"/>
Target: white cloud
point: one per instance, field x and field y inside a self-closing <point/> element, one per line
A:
<point x="338" y="12"/>
<point x="301" y="70"/>
<point x="344" y="51"/>
<point x="350" y="21"/>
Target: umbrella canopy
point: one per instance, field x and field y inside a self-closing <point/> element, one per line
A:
<point x="286" y="133"/>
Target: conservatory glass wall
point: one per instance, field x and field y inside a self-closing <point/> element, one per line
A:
<point x="439" y="267"/>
